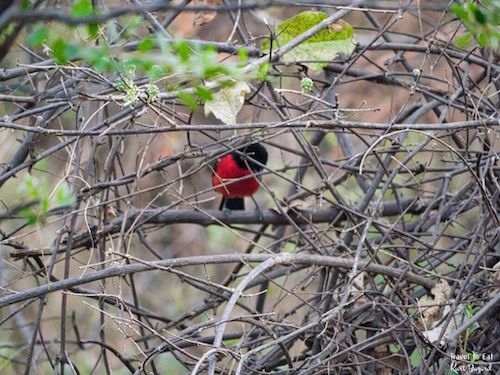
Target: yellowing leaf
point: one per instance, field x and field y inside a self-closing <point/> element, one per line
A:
<point x="227" y="102"/>
<point x="324" y="46"/>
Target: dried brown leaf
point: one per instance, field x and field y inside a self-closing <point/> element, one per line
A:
<point x="431" y="308"/>
<point x="206" y="16"/>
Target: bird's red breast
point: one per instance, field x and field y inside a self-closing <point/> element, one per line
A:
<point x="226" y="172"/>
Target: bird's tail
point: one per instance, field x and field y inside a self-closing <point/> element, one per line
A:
<point x="232" y="204"/>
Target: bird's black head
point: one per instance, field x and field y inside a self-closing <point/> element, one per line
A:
<point x="244" y="156"/>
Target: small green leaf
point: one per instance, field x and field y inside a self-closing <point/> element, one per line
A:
<point x="146" y="65"/>
<point x="212" y="71"/>
<point x="480" y="16"/>
<point x="464" y="39"/>
<point x="184" y="51"/>
<point x="146" y="44"/>
<point x="204" y="93"/>
<point x="59" y="50"/>
<point x="103" y="64"/>
<point x="243" y="55"/>
<point x="82" y="8"/>
<point x="30" y="215"/>
<point x="26" y="4"/>
<point x="6" y="32"/>
<point x="63" y="51"/>
<point x="189" y="100"/>
<point x="63" y="195"/>
<point x="459" y="11"/>
<point x="43" y="206"/>
<point x="262" y="73"/>
<point x="415" y="358"/>
<point x="92" y="29"/>
<point x="155" y="72"/>
<point x="131" y="24"/>
<point x="38" y="36"/>
<point x="394" y="348"/>
<point x="482" y="39"/>
<point x="29" y="187"/>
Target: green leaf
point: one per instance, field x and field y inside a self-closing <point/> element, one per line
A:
<point x="243" y="55"/>
<point x="6" y="32"/>
<point x="63" y="51"/>
<point x="59" y="50"/>
<point x="29" y="187"/>
<point x="415" y="358"/>
<point x="204" y="93"/>
<point x="38" y="36"/>
<point x="459" y="11"/>
<point x="212" y="71"/>
<point x="103" y="64"/>
<point x="189" y="100"/>
<point x="82" y="8"/>
<point x="92" y="29"/>
<point x="184" y="51"/>
<point x="482" y="39"/>
<point x="146" y="65"/>
<point x="324" y="46"/>
<point x="63" y="195"/>
<point x="155" y="72"/>
<point x="262" y="73"/>
<point x="26" y="4"/>
<point x="480" y="16"/>
<point x="43" y="206"/>
<point x="30" y="215"/>
<point x="91" y="54"/>
<point x="146" y="44"/>
<point x="464" y="40"/>
<point x="394" y="348"/>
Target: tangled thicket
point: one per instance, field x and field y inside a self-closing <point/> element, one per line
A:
<point x="375" y="248"/>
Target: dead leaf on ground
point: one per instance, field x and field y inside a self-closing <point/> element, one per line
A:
<point x="431" y="308"/>
<point x="205" y="16"/>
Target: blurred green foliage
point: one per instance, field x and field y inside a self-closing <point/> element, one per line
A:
<point x="37" y="191"/>
<point x="482" y="20"/>
<point x="180" y="64"/>
<point x="469" y="311"/>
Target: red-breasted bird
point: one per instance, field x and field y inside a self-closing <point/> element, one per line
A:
<point x="230" y="171"/>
